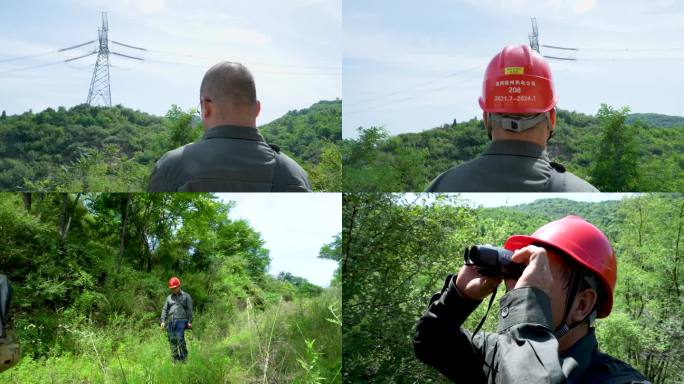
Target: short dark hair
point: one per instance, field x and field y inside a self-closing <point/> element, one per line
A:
<point x="229" y="82"/>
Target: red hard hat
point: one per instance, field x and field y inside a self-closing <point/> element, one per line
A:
<point x="174" y="282"/>
<point x="584" y="243"/>
<point x="517" y="81"/>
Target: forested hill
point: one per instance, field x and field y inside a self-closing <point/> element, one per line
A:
<point x="613" y="150"/>
<point x="90" y="275"/>
<point x="306" y="132"/>
<point x="114" y="149"/>
<point x="656" y="120"/>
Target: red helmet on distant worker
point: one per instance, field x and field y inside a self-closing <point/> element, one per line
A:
<point x="584" y="243"/>
<point x="174" y="282"/>
<point x="517" y="81"/>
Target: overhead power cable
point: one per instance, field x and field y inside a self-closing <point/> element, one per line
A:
<point x="412" y="87"/>
<point x="31" y="67"/>
<point x="28" y="56"/>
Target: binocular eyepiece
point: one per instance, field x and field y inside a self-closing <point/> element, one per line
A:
<point x="493" y="262"/>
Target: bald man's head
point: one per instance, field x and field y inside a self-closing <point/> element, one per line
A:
<point x="229" y="82"/>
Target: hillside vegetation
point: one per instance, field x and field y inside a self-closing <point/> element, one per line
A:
<point x="90" y="274"/>
<point x="103" y="149"/>
<point x="613" y="150"/>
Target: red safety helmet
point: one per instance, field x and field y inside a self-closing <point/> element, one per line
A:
<point x="584" y="243"/>
<point x="517" y="81"/>
<point x="174" y="282"/>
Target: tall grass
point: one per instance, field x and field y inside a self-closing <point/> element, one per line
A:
<point x="287" y="342"/>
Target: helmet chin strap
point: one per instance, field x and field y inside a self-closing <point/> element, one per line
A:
<point x="564" y="328"/>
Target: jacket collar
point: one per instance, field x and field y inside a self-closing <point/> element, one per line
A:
<point x="515" y="148"/>
<point x="232" y="132"/>
<point x="577" y="359"/>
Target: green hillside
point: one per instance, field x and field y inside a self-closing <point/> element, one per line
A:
<point x="376" y="161"/>
<point x="88" y="148"/>
<point x="656" y="120"/>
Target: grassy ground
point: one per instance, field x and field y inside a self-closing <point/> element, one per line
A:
<point x="298" y="342"/>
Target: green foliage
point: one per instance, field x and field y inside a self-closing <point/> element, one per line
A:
<point x="396" y="253"/>
<point x="87" y="308"/>
<point x="649" y="153"/>
<point x="88" y="148"/>
<point x="311" y="137"/>
<point x="83" y="147"/>
<point x="615" y="157"/>
<point x="304" y="133"/>
<point x="180" y="127"/>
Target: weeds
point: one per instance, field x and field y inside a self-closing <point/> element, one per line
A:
<point x="286" y="342"/>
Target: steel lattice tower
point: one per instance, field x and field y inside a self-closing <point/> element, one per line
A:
<point x="534" y="36"/>
<point x="99" y="85"/>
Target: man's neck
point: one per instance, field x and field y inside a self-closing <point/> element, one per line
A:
<point x="237" y="122"/>
<point x="572" y="337"/>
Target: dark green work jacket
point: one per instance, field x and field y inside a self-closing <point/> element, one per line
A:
<point x="177" y="307"/>
<point x="510" y="166"/>
<point x="524" y="350"/>
<point x="228" y="158"/>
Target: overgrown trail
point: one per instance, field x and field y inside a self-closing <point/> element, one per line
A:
<point x="288" y="342"/>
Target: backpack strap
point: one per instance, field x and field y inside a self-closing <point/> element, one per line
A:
<point x="558" y="178"/>
<point x="279" y="182"/>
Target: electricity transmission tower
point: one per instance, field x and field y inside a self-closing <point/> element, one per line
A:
<point x="534" y="36"/>
<point x="99" y="84"/>
<point x="534" y="44"/>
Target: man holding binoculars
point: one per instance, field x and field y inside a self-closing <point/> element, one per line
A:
<point x="558" y="281"/>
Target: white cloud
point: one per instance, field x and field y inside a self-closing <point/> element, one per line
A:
<point x="582" y="6"/>
<point x="152" y="6"/>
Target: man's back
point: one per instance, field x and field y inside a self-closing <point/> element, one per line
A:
<point x="230" y="159"/>
<point x="510" y="166"/>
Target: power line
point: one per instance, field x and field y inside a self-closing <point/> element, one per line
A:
<point x="28" y="56"/>
<point x="393" y="102"/>
<point x="413" y="87"/>
<point x="31" y="67"/>
<point x="171" y="53"/>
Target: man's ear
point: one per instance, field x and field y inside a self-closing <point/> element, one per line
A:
<point x="585" y="302"/>
<point x="485" y="122"/>
<point x="553" y="118"/>
<point x="257" y="108"/>
<point x="208" y="109"/>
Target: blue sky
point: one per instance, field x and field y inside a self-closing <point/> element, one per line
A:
<point x="294" y="226"/>
<point x="293" y="48"/>
<point x="417" y="65"/>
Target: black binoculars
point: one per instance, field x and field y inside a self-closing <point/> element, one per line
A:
<point x="493" y="262"/>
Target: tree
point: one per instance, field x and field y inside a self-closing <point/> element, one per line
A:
<point x="615" y="158"/>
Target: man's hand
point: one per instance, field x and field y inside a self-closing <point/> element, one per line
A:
<point x="189" y="326"/>
<point x="163" y="325"/>
<point x="537" y="273"/>
<point x="474" y="286"/>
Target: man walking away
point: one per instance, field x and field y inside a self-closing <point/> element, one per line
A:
<point x="177" y="311"/>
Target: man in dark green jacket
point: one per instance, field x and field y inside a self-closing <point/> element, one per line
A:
<point x="10" y="352"/>
<point x="232" y="156"/>
<point x="519" y="115"/>
<point x="176" y="317"/>
<point x="545" y="332"/>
